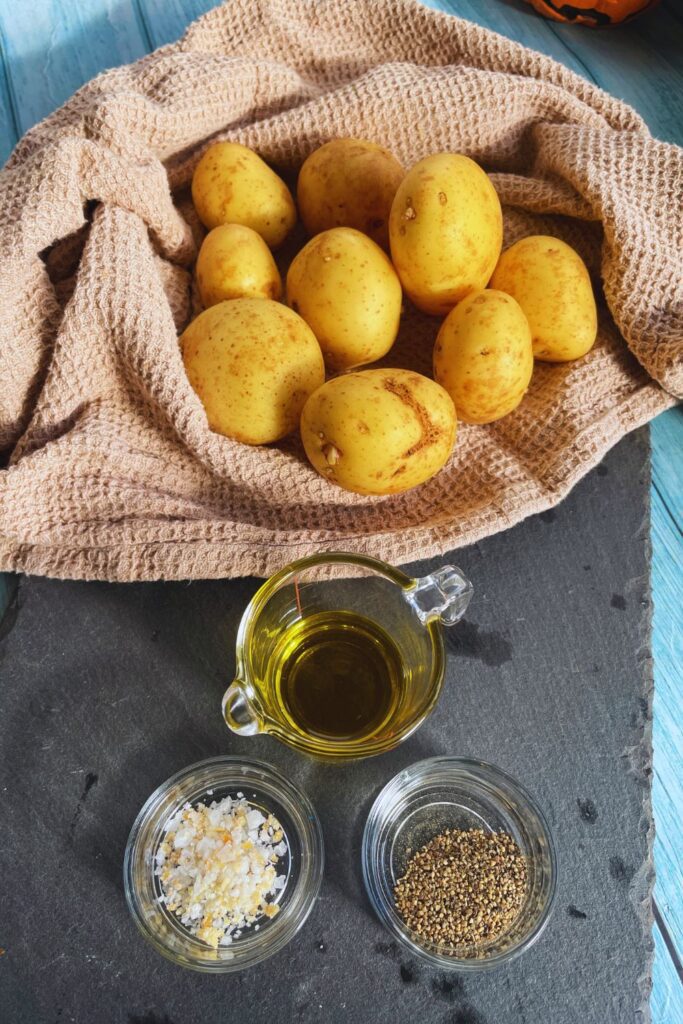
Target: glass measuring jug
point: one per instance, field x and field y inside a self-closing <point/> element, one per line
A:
<point x="341" y="656"/>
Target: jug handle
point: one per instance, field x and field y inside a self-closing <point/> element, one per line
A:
<point x="444" y="595"/>
<point x="241" y="710"/>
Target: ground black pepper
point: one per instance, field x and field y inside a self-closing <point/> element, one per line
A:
<point x="464" y="888"/>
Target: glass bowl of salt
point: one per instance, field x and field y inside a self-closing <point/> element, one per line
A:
<point x="223" y="864"/>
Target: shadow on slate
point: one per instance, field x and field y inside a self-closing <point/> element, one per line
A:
<point x="108" y="689"/>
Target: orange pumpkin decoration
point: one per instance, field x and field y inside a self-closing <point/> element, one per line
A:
<point x="595" y="13"/>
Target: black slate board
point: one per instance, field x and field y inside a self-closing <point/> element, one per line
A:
<point x="108" y="689"/>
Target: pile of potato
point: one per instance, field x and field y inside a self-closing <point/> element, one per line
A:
<point x="259" y="365"/>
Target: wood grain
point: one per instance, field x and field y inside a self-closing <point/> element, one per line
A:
<point x="667" y="648"/>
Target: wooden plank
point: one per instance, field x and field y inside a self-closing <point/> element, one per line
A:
<point x="639" y="62"/>
<point x="667" y="649"/>
<point x="515" y="22"/>
<point x="52" y="47"/>
<point x="166" y="20"/>
<point x="9" y="128"/>
<point x="666" y="1001"/>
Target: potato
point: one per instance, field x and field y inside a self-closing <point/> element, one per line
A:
<point x="232" y="185"/>
<point x="378" y="431"/>
<point x="235" y="263"/>
<point x="349" y="183"/>
<point x="483" y="356"/>
<point x="348" y="293"/>
<point x="446" y="231"/>
<point x="253" y="364"/>
<point x="551" y="283"/>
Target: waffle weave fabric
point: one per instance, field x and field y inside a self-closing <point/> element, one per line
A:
<point x="113" y="472"/>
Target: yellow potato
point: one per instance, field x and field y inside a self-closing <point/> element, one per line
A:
<point x="232" y="185"/>
<point x="483" y="356"/>
<point x="551" y="283"/>
<point x="349" y="183"/>
<point x="253" y="364"/>
<point x="235" y="263"/>
<point x="348" y="293"/>
<point x="446" y="231"/>
<point x="378" y="431"/>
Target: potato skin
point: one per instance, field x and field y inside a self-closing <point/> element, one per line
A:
<point x="253" y="363"/>
<point x="235" y="263"/>
<point x="551" y="283"/>
<point x="483" y="356"/>
<point x="378" y="431"/>
<point x="446" y="231"/>
<point x="232" y="185"/>
<point x="349" y="183"/>
<point x="347" y="291"/>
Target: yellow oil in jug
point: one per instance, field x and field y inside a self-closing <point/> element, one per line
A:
<point x="337" y="676"/>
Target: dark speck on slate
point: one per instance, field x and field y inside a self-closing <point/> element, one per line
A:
<point x="549" y="516"/>
<point x="587" y="568"/>
<point x="90" y="781"/>
<point x="588" y="811"/>
<point x="619" y="871"/>
<point x="448" y="988"/>
<point x="408" y="975"/>
<point x="466" y="640"/>
<point x="387" y="949"/>
<point x="575" y="912"/>
<point x="618" y="601"/>
<point x="602" y="469"/>
<point x="467" y="1015"/>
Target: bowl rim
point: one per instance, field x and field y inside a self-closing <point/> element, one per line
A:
<point x="412" y="775"/>
<point x="310" y="837"/>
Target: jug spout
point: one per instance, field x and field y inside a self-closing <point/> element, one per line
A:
<point x="444" y="594"/>
<point x="240" y="709"/>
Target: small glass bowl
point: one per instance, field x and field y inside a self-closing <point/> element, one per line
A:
<point x="453" y="792"/>
<point x="269" y="791"/>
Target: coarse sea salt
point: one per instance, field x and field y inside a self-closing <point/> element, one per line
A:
<point x="217" y="866"/>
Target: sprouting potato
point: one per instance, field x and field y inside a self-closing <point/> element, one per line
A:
<point x="253" y="363"/>
<point x="483" y="356"/>
<point x="232" y="185"/>
<point x="551" y="283"/>
<point x="235" y="263"/>
<point x="446" y="231"/>
<point x="349" y="183"/>
<point x="378" y="431"/>
<point x="347" y="291"/>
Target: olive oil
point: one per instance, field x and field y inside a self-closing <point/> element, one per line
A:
<point x="338" y="676"/>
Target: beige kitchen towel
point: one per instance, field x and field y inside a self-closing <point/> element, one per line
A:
<point x="112" y="472"/>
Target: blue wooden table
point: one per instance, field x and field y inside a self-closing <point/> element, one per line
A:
<point x="50" y="47"/>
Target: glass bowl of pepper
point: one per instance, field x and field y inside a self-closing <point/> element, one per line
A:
<point x="459" y="863"/>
